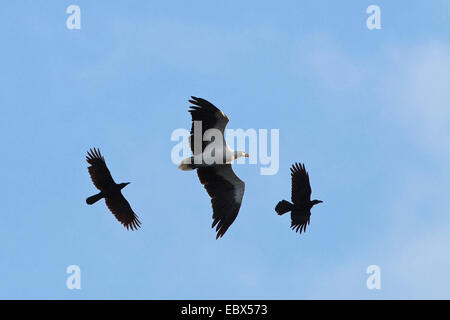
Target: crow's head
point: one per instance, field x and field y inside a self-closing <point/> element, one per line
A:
<point x="314" y="202"/>
<point x="123" y="185"/>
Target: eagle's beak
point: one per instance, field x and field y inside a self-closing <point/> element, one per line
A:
<point x="246" y="155"/>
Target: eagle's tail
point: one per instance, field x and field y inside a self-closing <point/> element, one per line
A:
<point x="93" y="199"/>
<point x="187" y="164"/>
<point x="283" y="206"/>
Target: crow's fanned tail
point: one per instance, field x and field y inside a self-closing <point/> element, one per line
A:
<point x="283" y="206"/>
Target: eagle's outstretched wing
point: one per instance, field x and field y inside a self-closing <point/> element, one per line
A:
<point x="226" y="191"/>
<point x="210" y="117"/>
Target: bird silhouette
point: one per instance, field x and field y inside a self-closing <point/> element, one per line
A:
<point x="301" y="205"/>
<point x="110" y="191"/>
<point x="224" y="187"/>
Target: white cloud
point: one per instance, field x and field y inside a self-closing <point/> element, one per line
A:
<point x="413" y="93"/>
<point x="418" y="240"/>
<point x="319" y="56"/>
<point x="423" y="267"/>
<point x="416" y="91"/>
<point x="413" y="255"/>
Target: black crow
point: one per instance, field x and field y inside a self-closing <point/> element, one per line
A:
<point x="110" y="191"/>
<point x="301" y="198"/>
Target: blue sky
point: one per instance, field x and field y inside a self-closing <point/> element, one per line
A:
<point x="367" y="111"/>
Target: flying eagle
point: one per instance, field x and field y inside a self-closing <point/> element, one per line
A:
<point x="212" y="158"/>
<point x="301" y="198"/>
<point x="103" y="181"/>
